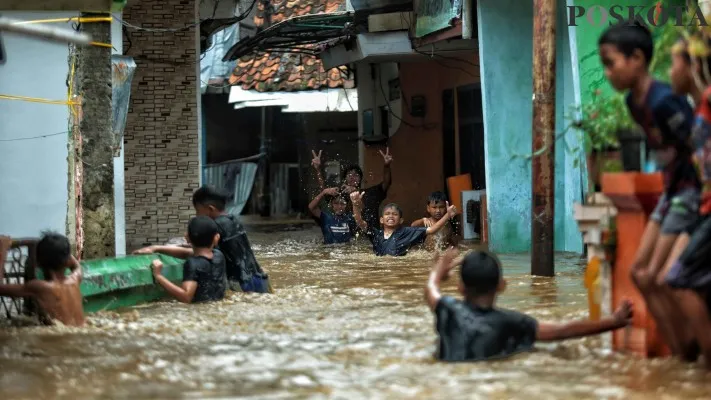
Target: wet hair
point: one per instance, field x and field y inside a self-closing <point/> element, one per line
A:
<point x="436" y="197"/>
<point x="202" y="231"/>
<point x="53" y="251"/>
<point x="339" y="197"/>
<point x="629" y="36"/>
<point x="394" y="206"/>
<point x="352" y="167"/>
<point x="210" y="196"/>
<point x="480" y="273"/>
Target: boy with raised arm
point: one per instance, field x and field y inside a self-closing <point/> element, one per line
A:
<point x="436" y="210"/>
<point x="474" y="329"/>
<point x="394" y="239"/>
<point x="58" y="295"/>
<point x="337" y="225"/>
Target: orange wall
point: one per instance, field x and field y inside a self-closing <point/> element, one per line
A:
<point x="417" y="146"/>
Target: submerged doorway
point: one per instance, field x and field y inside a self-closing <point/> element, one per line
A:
<point x="463" y="134"/>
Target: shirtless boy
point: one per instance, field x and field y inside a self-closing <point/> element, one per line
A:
<point x="437" y="209"/>
<point x="58" y="295"/>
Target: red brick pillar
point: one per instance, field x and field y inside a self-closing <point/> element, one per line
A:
<point x="161" y="137"/>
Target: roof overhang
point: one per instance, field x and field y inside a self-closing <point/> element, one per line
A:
<point x="300" y="34"/>
<point x="330" y="100"/>
<point x="389" y="47"/>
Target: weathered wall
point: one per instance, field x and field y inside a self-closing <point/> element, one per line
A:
<point x="416" y="147"/>
<point x="33" y="136"/>
<point x="505" y="31"/>
<point x="161" y="138"/>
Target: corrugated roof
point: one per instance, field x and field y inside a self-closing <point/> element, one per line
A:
<point x="276" y="71"/>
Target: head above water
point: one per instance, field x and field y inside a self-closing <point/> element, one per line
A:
<point x="437" y="205"/>
<point x="626" y="50"/>
<point x="209" y="201"/>
<point x="481" y="275"/>
<point x="352" y="175"/>
<point x="338" y="204"/>
<point x="391" y="216"/>
<point x="53" y="251"/>
<point x="202" y="232"/>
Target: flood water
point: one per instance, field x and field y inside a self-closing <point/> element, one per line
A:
<point x="343" y="324"/>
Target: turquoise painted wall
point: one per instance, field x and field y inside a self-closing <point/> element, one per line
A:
<point x="505" y="47"/>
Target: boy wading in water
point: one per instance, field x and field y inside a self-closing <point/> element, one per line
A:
<point x="437" y="209"/>
<point x="352" y="179"/>
<point x="204" y="271"/>
<point x="394" y="239"/>
<point x="243" y="271"/>
<point x="626" y="51"/>
<point x="475" y="329"/>
<point x="58" y="295"/>
<point x="337" y="225"/>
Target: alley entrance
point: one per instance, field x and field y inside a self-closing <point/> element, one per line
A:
<point x="463" y="134"/>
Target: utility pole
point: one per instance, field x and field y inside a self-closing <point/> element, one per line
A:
<point x="543" y="133"/>
<point x="265" y="204"/>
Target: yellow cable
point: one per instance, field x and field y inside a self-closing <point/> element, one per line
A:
<point x="70" y="19"/>
<point x="99" y="44"/>
<point x="35" y="99"/>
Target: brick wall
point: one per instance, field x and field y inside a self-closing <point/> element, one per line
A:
<point x="161" y="137"/>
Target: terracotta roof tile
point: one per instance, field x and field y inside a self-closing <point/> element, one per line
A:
<point x="272" y="72"/>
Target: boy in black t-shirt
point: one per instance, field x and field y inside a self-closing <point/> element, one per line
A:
<point x="204" y="271"/>
<point x="394" y="239"/>
<point x="337" y="225"/>
<point x="243" y="271"/>
<point x="475" y="330"/>
<point x="666" y="118"/>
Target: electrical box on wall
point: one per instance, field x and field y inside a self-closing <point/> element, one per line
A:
<point x="418" y="106"/>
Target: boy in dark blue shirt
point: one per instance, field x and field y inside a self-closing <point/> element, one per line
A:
<point x="204" y="271"/>
<point x="394" y="239"/>
<point x="337" y="226"/>
<point x="475" y="330"/>
<point x="666" y="118"/>
<point x="243" y="271"/>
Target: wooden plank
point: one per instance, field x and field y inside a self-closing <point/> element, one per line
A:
<point x="457" y="156"/>
<point x="398" y="21"/>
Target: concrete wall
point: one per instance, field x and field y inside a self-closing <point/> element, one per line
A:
<point x="161" y="141"/>
<point x="417" y="146"/>
<point x="34" y="168"/>
<point x="505" y="32"/>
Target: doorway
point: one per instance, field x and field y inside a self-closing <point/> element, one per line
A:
<point x="463" y="134"/>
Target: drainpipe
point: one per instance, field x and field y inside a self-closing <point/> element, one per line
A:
<point x="543" y="165"/>
<point x="265" y="206"/>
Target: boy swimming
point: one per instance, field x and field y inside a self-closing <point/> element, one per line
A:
<point x="203" y="272"/>
<point x="475" y="329"/>
<point x="626" y="51"/>
<point x="436" y="209"/>
<point x="58" y="295"/>
<point x="394" y="239"/>
<point x="243" y="271"/>
<point x="337" y="225"/>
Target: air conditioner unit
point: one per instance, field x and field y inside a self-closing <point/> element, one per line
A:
<point x="472" y="219"/>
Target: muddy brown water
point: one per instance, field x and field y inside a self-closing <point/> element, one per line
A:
<point x="343" y="324"/>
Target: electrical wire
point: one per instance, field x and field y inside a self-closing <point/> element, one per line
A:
<point x="35" y="137"/>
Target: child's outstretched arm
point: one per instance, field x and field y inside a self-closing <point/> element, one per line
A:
<point x="183" y="293"/>
<point x="574" y="329"/>
<point x="316" y="163"/>
<point x="75" y="268"/>
<point x="357" y="200"/>
<point x="387" y="173"/>
<point x="173" y="251"/>
<point x="451" y="212"/>
<point x="443" y="266"/>
<point x="313" y="206"/>
<point x="418" y="222"/>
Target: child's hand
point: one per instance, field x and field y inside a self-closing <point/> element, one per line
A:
<point x="316" y="161"/>
<point x="356" y="197"/>
<point x="451" y="210"/>
<point x="5" y="242"/>
<point x="331" y="191"/>
<point x="623" y="314"/>
<point x="446" y="263"/>
<point x="427" y="223"/>
<point x="146" y="250"/>
<point x="157" y="267"/>
<point x="347" y="189"/>
<point x="387" y="158"/>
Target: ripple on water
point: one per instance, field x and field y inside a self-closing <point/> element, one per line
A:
<point x="344" y="324"/>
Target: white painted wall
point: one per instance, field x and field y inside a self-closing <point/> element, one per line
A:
<point x="33" y="182"/>
<point x="119" y="181"/>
